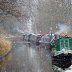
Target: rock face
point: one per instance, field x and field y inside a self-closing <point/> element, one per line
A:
<point x="16" y="14"/>
<point x="12" y="7"/>
<point x="43" y="13"/>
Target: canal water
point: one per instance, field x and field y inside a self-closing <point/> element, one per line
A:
<point x="26" y="58"/>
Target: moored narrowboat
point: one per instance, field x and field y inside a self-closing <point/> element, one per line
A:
<point x="61" y="53"/>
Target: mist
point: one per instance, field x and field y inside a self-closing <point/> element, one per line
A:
<point x="63" y="28"/>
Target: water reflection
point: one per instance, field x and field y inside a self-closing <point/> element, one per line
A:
<point x="5" y="61"/>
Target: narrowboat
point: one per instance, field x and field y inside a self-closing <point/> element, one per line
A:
<point x="61" y="53"/>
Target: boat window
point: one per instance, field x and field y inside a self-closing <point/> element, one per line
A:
<point x="62" y="44"/>
<point x="70" y="43"/>
<point x="66" y="43"/>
